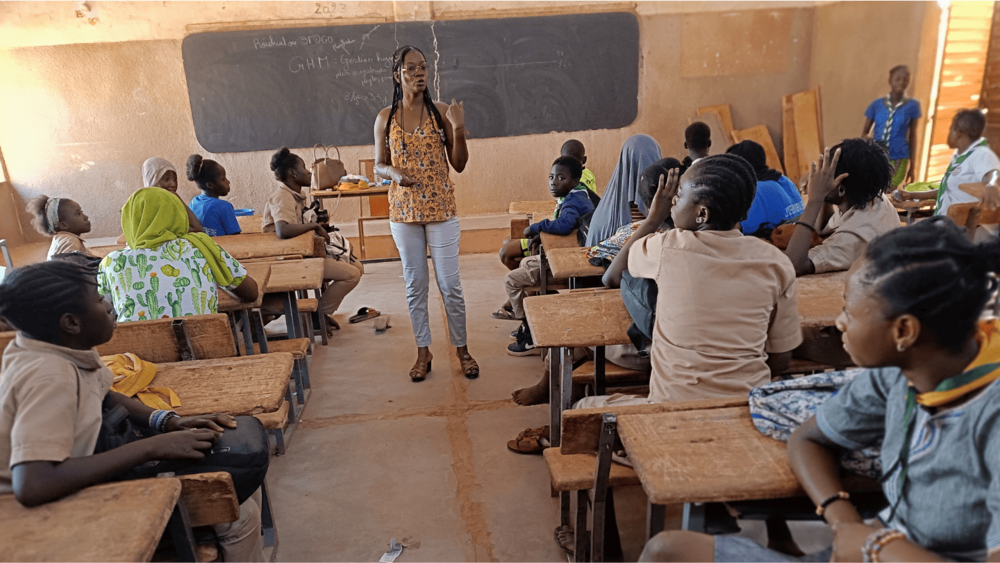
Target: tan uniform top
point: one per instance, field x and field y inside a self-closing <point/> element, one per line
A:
<point x="64" y="243"/>
<point x="724" y="302"/>
<point x="848" y="235"/>
<point x="285" y="205"/>
<point x="50" y="403"/>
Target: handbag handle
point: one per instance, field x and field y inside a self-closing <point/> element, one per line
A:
<point x="326" y="151"/>
<point x="333" y="147"/>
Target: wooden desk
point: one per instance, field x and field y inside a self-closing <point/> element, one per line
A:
<point x="362" y="218"/>
<point x="243" y="385"/>
<point x="112" y="522"/>
<point x="287" y="278"/>
<point x="911" y="207"/>
<point x="545" y="207"/>
<point x="820" y="298"/>
<point x="260" y="272"/>
<point x="711" y="455"/>
<point x="570" y="263"/>
<point x="552" y="242"/>
<point x="565" y="321"/>
<point x="247" y="245"/>
<point x="331" y="194"/>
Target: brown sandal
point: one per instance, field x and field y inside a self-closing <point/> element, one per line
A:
<point x="418" y="374"/>
<point x="528" y="445"/>
<point x="469" y="366"/>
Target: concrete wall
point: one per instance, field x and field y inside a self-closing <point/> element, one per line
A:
<point x="83" y="104"/>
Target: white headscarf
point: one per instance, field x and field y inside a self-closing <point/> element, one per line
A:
<point x="153" y="170"/>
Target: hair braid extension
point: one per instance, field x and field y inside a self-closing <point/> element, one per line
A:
<point x="35" y="297"/>
<point x="397" y="95"/>
<point x="726" y="183"/>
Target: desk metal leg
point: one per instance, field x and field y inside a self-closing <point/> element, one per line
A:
<point x="555" y="382"/>
<point x="694" y="517"/>
<point x="656" y="519"/>
<point x="247" y="335"/>
<point x="909" y="216"/>
<point x="542" y="282"/>
<point x="292" y="321"/>
<point x="572" y="283"/>
<point x="566" y="385"/>
<point x="257" y="319"/>
<point x="609" y="433"/>
<point x="267" y="521"/>
<point x="580" y="529"/>
<point x="600" y="380"/>
<point x="180" y="531"/>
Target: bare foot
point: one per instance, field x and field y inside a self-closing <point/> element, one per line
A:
<point x="566" y="538"/>
<point x="534" y="395"/>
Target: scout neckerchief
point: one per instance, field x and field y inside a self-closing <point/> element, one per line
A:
<point x="954" y="163"/>
<point x="887" y="130"/>
<point x="560" y="200"/>
<point x="983" y="370"/>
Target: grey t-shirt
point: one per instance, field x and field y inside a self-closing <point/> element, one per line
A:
<point x="951" y="503"/>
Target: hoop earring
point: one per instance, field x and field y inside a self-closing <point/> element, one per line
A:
<point x="699" y="220"/>
<point x="900" y="348"/>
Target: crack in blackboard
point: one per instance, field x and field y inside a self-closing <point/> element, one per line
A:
<point x="437" y="57"/>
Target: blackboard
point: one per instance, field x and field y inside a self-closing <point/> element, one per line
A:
<point x="260" y="90"/>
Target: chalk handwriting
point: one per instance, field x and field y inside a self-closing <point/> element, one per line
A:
<point x="356" y="98"/>
<point x="330" y="40"/>
<point x="271" y="42"/>
<point x="368" y="35"/>
<point x="298" y="64"/>
<point x="330" y="8"/>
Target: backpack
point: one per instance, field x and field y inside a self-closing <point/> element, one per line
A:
<point x="243" y="452"/>
<point x="583" y="223"/>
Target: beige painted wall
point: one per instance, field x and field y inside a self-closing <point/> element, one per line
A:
<point x="83" y="105"/>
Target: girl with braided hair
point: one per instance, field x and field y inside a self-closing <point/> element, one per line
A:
<point x="416" y="139"/>
<point x="928" y="398"/>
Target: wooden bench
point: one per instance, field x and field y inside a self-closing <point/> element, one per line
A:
<point x="571" y="263"/>
<point x="614" y="375"/>
<point x="247" y="245"/>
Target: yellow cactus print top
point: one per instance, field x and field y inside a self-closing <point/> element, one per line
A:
<point x="432" y="197"/>
<point x="173" y="280"/>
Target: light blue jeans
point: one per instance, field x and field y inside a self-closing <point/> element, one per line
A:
<point x="412" y="241"/>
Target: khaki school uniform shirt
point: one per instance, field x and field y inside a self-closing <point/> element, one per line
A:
<point x="64" y="243"/>
<point x="50" y="403"/>
<point x="848" y="235"/>
<point x="285" y="205"/>
<point x="724" y="302"/>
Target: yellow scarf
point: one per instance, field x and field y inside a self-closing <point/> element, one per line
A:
<point x="989" y="353"/>
<point x="153" y="216"/>
<point x="132" y="379"/>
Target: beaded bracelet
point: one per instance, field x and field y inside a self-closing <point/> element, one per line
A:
<point x="806" y="225"/>
<point x="878" y="540"/>
<point x="158" y="419"/>
<point x="840" y="495"/>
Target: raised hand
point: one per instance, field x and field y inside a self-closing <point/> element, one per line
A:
<point x="663" y="199"/>
<point x="821" y="181"/>
<point x="456" y="114"/>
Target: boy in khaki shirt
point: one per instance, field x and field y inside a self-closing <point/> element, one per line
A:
<point x="51" y="395"/>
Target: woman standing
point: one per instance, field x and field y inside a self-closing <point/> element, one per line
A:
<point x="414" y="144"/>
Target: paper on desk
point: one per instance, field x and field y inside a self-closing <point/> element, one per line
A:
<point x="395" y="549"/>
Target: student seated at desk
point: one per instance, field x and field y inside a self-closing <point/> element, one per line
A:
<point x="51" y="394"/>
<point x="777" y="199"/>
<point x="283" y="216"/>
<point x="929" y="400"/>
<point x="164" y="271"/>
<point x="848" y="186"/>
<point x="64" y="220"/>
<point x="159" y="173"/>
<point x="216" y="215"/>
<point x="726" y="315"/>
<point x="697" y="141"/>
<point x="574" y="207"/>
<point x="615" y="209"/>
<point x="575" y="149"/>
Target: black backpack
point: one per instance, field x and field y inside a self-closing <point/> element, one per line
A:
<point x="243" y="452"/>
<point x="583" y="223"/>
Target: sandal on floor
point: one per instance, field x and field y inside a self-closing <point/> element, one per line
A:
<point x="364" y="314"/>
<point x="418" y="374"/>
<point x="469" y="366"/>
<point x="540" y="432"/>
<point x="528" y="445"/>
<point x="505" y="314"/>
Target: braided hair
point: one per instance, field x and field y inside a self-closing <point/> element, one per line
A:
<point x="866" y="162"/>
<point x="40" y="208"/>
<point x="651" y="176"/>
<point x="397" y="95"/>
<point x="932" y="271"/>
<point x="282" y="162"/>
<point x="726" y="184"/>
<point x="35" y="297"/>
<point x="202" y="171"/>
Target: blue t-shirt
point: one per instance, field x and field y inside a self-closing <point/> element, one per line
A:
<point x="899" y="146"/>
<point x="216" y="215"/>
<point x="775" y="201"/>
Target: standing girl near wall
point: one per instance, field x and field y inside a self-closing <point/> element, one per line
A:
<point x="893" y="120"/>
<point x="415" y="141"/>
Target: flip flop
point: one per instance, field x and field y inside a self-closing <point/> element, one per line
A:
<point x="528" y="445"/>
<point x="364" y="314"/>
<point x="504" y="314"/>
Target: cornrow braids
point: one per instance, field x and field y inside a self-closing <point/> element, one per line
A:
<point x="726" y="183"/>
<point x="397" y="96"/>
<point x="932" y="271"/>
<point x="35" y="297"/>
<point x="866" y="162"/>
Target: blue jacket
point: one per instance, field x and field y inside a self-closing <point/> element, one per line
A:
<point x="574" y="206"/>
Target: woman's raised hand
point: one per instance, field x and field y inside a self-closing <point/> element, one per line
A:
<point x="456" y="114"/>
<point x="663" y="199"/>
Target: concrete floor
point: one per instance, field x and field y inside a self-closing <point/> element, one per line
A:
<point x="377" y="456"/>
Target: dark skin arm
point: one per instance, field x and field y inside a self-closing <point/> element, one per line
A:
<point x="868" y="127"/>
<point x="910" y="164"/>
<point x="822" y="184"/>
<point x="778" y="363"/>
<point x="659" y="212"/>
<point x="247" y="291"/>
<point x="455" y="145"/>
<point x="139" y="413"/>
<point x="285" y="230"/>
<point x="194" y="225"/>
<point x="814" y="461"/>
<point x="38" y="482"/>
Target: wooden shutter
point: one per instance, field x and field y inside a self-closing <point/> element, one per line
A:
<point x="989" y="100"/>
<point x="961" y="80"/>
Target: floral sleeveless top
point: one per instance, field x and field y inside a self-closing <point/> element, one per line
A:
<point x="432" y="197"/>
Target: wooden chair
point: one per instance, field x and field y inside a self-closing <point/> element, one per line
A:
<point x="971" y="215"/>
<point x="161" y="341"/>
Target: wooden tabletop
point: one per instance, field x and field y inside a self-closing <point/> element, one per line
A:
<point x="112" y="522"/>
<point x="546" y="207"/>
<point x="552" y="242"/>
<point x="913" y="203"/>
<point x="595" y="318"/>
<point x="293" y="275"/>
<point x="375" y="190"/>
<point x="571" y="263"/>
<point x="241" y="385"/>
<point x="247" y="245"/>
<point x="260" y="272"/>
<point x="820" y="298"/>
<point x="713" y="455"/>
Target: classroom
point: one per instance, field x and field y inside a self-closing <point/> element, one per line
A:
<point x="712" y="281"/>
